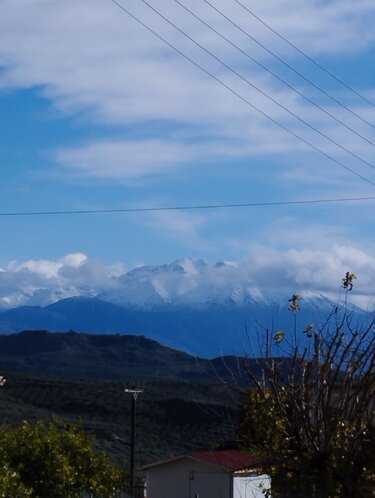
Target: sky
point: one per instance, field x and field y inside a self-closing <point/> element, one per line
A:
<point x="98" y="113"/>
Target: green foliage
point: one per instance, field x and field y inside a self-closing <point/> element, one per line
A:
<point x="54" y="460"/>
<point x="261" y="423"/>
<point x="314" y="427"/>
<point x="10" y="483"/>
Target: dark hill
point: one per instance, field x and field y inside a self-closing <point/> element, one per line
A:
<point x="110" y="356"/>
<point x="79" y="355"/>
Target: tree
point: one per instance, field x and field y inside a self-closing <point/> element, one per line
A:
<point x="10" y="483"/>
<point x="314" y="426"/>
<point x="54" y="460"/>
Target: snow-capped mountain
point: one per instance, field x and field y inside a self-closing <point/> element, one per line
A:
<point x="186" y="282"/>
<point x="205" y="309"/>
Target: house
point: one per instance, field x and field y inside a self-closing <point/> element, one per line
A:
<point x="207" y="474"/>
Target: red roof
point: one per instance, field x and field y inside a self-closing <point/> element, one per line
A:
<point x="230" y="460"/>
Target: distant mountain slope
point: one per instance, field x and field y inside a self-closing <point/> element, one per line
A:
<point x="209" y="331"/>
<point x="78" y="313"/>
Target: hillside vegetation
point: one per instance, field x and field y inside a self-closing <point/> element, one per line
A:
<point x="187" y="402"/>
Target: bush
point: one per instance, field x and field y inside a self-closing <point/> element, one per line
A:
<point x="54" y="460"/>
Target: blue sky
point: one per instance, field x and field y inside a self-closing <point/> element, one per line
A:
<point x="96" y="113"/>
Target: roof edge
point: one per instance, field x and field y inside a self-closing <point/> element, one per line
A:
<point x="162" y="462"/>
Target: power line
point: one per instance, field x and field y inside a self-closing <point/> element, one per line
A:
<point x="187" y="207"/>
<point x="243" y="99"/>
<point x="265" y="94"/>
<point x="265" y="68"/>
<point x="308" y="57"/>
<point x="289" y="66"/>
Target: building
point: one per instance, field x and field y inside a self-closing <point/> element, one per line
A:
<point x="207" y="474"/>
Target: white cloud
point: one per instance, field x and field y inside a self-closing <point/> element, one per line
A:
<point x="91" y="60"/>
<point x="313" y="271"/>
<point x="126" y="160"/>
<point x="40" y="282"/>
<point x="186" y="227"/>
<point x="48" y="269"/>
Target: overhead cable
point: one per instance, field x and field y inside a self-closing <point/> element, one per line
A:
<point x="187" y="207"/>
<point x="279" y="78"/>
<point x="243" y="99"/>
<point x="262" y="92"/>
<point x="289" y="66"/>
<point x="308" y="57"/>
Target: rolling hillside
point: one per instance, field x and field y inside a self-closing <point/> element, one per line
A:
<point x="188" y="403"/>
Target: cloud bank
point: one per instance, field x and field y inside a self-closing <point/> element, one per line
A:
<point x="265" y="275"/>
<point x="42" y="282"/>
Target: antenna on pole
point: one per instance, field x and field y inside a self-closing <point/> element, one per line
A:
<point x="135" y="391"/>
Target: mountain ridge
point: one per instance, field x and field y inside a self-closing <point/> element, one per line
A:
<point x="208" y="331"/>
<point x="114" y="357"/>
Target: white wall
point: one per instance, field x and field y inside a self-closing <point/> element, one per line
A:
<point x="250" y="486"/>
<point x="187" y="478"/>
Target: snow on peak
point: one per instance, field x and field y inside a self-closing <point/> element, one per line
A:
<point x="265" y="277"/>
<point x="188" y="265"/>
<point x="152" y="286"/>
<point x="186" y="281"/>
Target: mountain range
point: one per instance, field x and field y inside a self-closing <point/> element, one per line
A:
<point x="203" y="309"/>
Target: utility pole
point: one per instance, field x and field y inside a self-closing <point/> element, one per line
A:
<point x="135" y="391"/>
